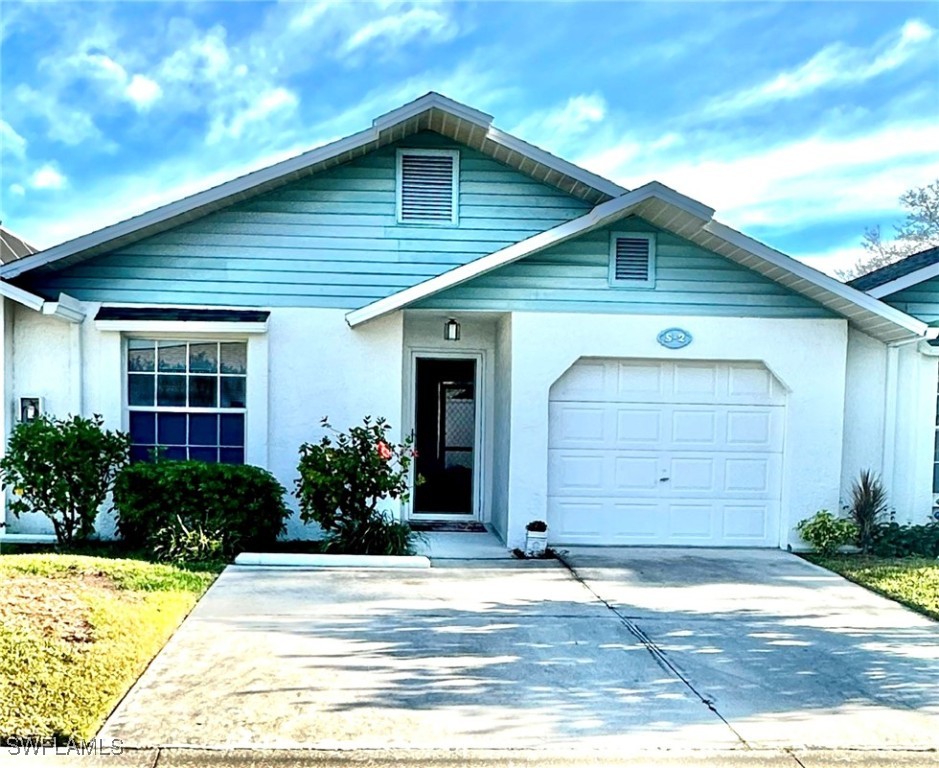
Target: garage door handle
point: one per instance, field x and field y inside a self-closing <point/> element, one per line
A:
<point x="664" y="479"/>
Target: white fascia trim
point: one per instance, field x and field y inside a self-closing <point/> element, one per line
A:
<point x="66" y="308"/>
<point x="555" y="163"/>
<point x="804" y="271"/>
<point x="913" y="278"/>
<point x="180" y="207"/>
<point x="596" y="217"/>
<point x="20" y="296"/>
<point x="180" y="326"/>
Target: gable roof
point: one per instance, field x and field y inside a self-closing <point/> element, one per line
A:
<point x="899" y="275"/>
<point x="687" y="218"/>
<point x="430" y="112"/>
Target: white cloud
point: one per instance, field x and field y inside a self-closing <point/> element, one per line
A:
<point x="11" y="143"/>
<point x="835" y="65"/>
<point x="278" y="100"/>
<point x="143" y="91"/>
<point x="17" y="189"/>
<point x="814" y="179"/>
<point x="399" y="29"/>
<point x="554" y="128"/>
<point x="67" y="125"/>
<point x="47" y="177"/>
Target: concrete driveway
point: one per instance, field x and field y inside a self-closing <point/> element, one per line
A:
<point x="627" y="650"/>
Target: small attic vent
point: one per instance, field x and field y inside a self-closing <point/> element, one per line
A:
<point x="427" y="186"/>
<point x="632" y="257"/>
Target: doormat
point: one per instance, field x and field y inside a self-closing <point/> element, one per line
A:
<point x="448" y="526"/>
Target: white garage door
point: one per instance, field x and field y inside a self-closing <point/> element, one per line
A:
<point x="645" y="452"/>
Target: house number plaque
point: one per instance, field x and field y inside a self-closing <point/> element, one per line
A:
<point x="674" y="338"/>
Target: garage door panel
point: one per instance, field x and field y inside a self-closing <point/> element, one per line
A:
<point x="759" y="428"/>
<point x="636" y="427"/>
<point x="690" y="521"/>
<point x="666" y="453"/>
<point x="635" y="473"/>
<point x="745" y="523"/>
<point x="691" y="474"/>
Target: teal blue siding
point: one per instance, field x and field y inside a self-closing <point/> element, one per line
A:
<point x="574" y="277"/>
<point x="328" y="241"/>
<point x="921" y="301"/>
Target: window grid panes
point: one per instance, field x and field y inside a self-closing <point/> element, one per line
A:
<point x="187" y="399"/>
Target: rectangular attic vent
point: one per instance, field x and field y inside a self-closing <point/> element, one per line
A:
<point x="427" y="186"/>
<point x="631" y="259"/>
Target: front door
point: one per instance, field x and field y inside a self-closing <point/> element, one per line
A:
<point x="445" y="437"/>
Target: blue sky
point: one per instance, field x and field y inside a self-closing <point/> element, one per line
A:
<point x="801" y="123"/>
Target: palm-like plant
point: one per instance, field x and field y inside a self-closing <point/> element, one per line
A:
<point x="868" y="505"/>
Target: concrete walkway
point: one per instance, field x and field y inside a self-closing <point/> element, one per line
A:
<point x="628" y="652"/>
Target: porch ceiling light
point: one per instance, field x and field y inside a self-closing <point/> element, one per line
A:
<point x="451" y="330"/>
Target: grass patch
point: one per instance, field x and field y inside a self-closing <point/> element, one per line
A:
<point x="76" y="631"/>
<point x="912" y="581"/>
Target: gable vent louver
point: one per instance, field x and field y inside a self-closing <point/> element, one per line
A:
<point x="631" y="259"/>
<point x="428" y="188"/>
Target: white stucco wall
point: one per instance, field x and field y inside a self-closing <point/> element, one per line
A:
<point x="908" y="460"/>
<point x="502" y="423"/>
<point x="864" y="409"/>
<point x="807" y="356"/>
<point x="319" y="367"/>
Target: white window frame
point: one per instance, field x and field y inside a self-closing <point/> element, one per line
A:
<point x="649" y="282"/>
<point x="455" y="202"/>
<point x="257" y="394"/>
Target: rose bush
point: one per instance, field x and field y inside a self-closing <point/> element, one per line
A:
<point x="345" y="478"/>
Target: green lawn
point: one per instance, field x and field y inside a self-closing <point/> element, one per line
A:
<point x="912" y="581"/>
<point x="76" y="631"/>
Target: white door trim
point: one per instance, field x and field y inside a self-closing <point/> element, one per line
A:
<point x="410" y="405"/>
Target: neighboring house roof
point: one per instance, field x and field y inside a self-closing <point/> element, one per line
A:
<point x="654" y="202"/>
<point x="899" y="275"/>
<point x="13" y="247"/>
<point x="430" y="112"/>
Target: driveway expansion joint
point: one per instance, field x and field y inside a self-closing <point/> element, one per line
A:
<point x="657" y="653"/>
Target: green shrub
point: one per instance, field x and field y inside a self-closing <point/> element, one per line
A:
<point x="342" y="480"/>
<point x="894" y="540"/>
<point x="868" y="505"/>
<point x="64" y="469"/>
<point x="826" y="533"/>
<point x="242" y="506"/>
<point x="180" y="544"/>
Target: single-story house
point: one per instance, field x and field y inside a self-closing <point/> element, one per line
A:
<point x="615" y="361"/>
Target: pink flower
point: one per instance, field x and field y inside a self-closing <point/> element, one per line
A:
<point x="383" y="450"/>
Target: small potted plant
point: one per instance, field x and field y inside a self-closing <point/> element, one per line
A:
<point x="536" y="538"/>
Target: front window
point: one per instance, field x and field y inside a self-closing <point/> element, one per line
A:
<point x="188" y="399"/>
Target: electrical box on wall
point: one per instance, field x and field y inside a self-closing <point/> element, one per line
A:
<point x="30" y="408"/>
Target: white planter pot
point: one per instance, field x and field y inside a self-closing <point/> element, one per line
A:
<point x="535" y="543"/>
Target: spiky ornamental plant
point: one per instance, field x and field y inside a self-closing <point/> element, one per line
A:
<point x="868" y="505"/>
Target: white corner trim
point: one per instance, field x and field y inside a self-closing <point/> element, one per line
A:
<point x="596" y="217"/>
<point x="20" y="296"/>
<point x="180" y="326"/>
<point x="907" y="281"/>
<point x="812" y="275"/>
